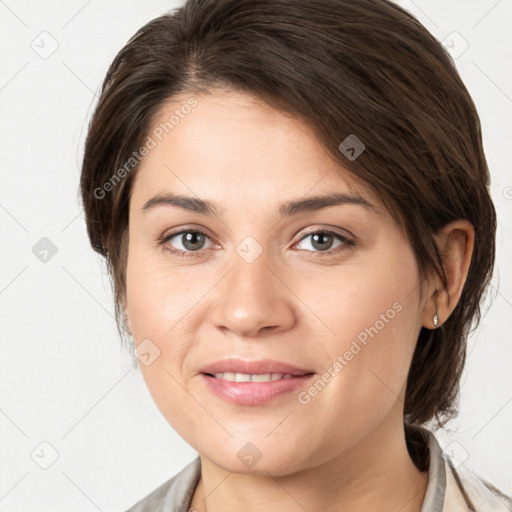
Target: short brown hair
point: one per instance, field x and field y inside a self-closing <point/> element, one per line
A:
<point x="367" y="68"/>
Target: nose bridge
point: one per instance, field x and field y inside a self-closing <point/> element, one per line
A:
<point x="251" y="296"/>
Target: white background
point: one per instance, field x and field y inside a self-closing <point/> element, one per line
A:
<point x="64" y="378"/>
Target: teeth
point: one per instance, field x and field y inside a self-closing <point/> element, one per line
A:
<point x="246" y="377"/>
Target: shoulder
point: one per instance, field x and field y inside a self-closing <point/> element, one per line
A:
<point x="478" y="493"/>
<point x="454" y="486"/>
<point x="174" y="494"/>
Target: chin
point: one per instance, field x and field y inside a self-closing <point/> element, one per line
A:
<point x="249" y="458"/>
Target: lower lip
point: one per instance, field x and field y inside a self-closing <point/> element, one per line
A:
<point x="253" y="393"/>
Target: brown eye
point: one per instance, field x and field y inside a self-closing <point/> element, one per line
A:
<point x="185" y="242"/>
<point x="322" y="241"/>
<point x="192" y="240"/>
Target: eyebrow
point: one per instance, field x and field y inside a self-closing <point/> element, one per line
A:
<point x="286" y="209"/>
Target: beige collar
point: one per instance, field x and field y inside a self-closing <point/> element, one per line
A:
<point x="454" y="487"/>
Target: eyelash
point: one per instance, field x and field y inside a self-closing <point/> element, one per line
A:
<point x="346" y="242"/>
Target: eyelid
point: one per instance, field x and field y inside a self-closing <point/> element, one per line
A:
<point x="328" y="229"/>
<point x="346" y="242"/>
<point x="347" y="239"/>
<point x="164" y="239"/>
<point x="185" y="229"/>
<point x="337" y="231"/>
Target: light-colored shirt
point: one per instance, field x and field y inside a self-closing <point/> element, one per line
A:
<point x="449" y="488"/>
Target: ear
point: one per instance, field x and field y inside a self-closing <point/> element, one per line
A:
<point x="455" y="243"/>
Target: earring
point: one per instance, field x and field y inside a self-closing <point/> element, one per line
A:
<point x="436" y="316"/>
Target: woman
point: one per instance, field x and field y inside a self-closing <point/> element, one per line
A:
<point x="292" y="198"/>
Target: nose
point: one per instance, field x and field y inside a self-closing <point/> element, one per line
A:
<point x="253" y="297"/>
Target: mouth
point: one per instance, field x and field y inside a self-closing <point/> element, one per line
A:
<point x="253" y="382"/>
<point x="258" y="367"/>
<point x="247" y="377"/>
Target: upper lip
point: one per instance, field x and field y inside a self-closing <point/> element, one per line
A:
<point x="259" y="367"/>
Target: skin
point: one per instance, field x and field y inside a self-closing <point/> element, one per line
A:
<point x="294" y="302"/>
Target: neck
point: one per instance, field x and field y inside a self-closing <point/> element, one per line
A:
<point x="376" y="473"/>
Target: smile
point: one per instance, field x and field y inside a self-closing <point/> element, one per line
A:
<point x="254" y="389"/>
<point x="247" y="377"/>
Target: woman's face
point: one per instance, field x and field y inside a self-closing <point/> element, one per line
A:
<point x="329" y="287"/>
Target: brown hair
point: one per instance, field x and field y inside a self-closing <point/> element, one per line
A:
<point x="367" y="68"/>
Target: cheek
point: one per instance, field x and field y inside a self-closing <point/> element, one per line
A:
<point x="370" y="322"/>
<point x="158" y="296"/>
<point x="162" y="303"/>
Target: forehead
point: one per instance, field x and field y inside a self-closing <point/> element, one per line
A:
<point x="230" y="145"/>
